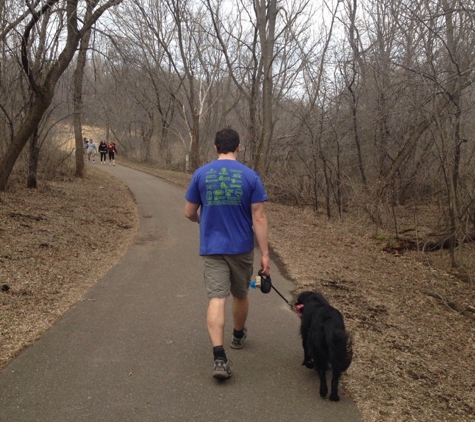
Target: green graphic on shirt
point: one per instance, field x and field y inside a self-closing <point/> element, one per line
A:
<point x="223" y="187"/>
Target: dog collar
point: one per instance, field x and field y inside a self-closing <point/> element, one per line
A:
<point x="299" y="310"/>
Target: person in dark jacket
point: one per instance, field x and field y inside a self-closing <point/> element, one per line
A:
<point x="103" y="151"/>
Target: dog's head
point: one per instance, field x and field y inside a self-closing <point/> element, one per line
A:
<point x="300" y="303"/>
<point x="309" y="297"/>
<point x="303" y="297"/>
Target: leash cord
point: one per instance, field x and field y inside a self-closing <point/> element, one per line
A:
<point x="288" y="303"/>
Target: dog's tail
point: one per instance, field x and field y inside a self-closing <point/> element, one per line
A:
<point x="341" y="352"/>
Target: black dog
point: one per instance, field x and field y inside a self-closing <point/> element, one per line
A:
<point x="324" y="340"/>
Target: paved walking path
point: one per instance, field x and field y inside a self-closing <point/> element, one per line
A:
<point x="136" y="348"/>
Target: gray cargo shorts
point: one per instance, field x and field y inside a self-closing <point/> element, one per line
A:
<point x="228" y="274"/>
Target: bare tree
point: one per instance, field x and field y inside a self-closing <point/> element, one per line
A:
<point x="42" y="85"/>
<point x="239" y="45"/>
<point x="78" y="91"/>
<point x="351" y="74"/>
<point x="266" y="15"/>
<point x="259" y="41"/>
<point x="153" y="89"/>
<point x="457" y="44"/>
<point x="179" y="28"/>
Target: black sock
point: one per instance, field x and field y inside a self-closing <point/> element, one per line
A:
<point x="238" y="334"/>
<point x="218" y="352"/>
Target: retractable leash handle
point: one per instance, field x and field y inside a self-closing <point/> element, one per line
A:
<point x="262" y="282"/>
<point x="266" y="282"/>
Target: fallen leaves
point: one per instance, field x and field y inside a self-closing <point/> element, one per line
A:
<point x="56" y="242"/>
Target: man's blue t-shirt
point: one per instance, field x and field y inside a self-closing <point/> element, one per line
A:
<point x="226" y="189"/>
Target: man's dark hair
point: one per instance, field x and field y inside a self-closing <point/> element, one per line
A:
<point x="226" y="140"/>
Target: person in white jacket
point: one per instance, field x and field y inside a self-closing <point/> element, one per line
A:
<point x="91" y="150"/>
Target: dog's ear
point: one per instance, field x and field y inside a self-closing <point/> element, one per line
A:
<point x="302" y="297"/>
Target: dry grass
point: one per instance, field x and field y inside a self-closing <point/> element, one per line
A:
<point x="56" y="242"/>
<point x="414" y="353"/>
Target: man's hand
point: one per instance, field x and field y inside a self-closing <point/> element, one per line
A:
<point x="265" y="265"/>
<point x="191" y="211"/>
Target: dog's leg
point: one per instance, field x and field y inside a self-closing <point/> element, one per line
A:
<point x="308" y="363"/>
<point x="322" y="373"/>
<point x="334" y="391"/>
<point x="307" y="360"/>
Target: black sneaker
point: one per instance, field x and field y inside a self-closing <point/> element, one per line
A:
<point x="238" y="343"/>
<point x="222" y="369"/>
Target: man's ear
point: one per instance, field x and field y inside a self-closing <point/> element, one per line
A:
<point x="238" y="149"/>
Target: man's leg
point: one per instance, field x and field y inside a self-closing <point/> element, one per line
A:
<point x="217" y="283"/>
<point x="241" y="273"/>
<point x="240" y="311"/>
<point x="215" y="320"/>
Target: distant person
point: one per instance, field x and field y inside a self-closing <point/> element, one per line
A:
<point x="91" y="150"/>
<point x="230" y="198"/>
<point x="85" y="143"/>
<point x="103" y="149"/>
<point x="112" y="151"/>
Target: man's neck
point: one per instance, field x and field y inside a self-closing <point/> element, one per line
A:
<point x="228" y="156"/>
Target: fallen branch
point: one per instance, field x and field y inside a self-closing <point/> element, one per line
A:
<point x="465" y="311"/>
<point x="429" y="244"/>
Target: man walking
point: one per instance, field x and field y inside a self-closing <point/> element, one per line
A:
<point x="230" y="199"/>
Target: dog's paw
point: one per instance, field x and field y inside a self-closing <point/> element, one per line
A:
<point x="323" y="392"/>
<point x="334" y="397"/>
<point x="308" y="363"/>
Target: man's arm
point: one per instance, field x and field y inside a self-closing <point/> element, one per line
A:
<point x="191" y="211"/>
<point x="259" y="221"/>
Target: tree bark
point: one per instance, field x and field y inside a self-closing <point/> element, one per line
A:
<point x="33" y="162"/>
<point x="266" y="17"/>
<point x="77" y="99"/>
<point x="19" y="141"/>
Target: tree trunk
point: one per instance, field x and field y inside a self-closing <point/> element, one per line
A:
<point x="33" y="162"/>
<point x="194" y="149"/>
<point x="454" y="95"/>
<point x="266" y="17"/>
<point x="78" y="103"/>
<point x="26" y="131"/>
<point x="356" y="64"/>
